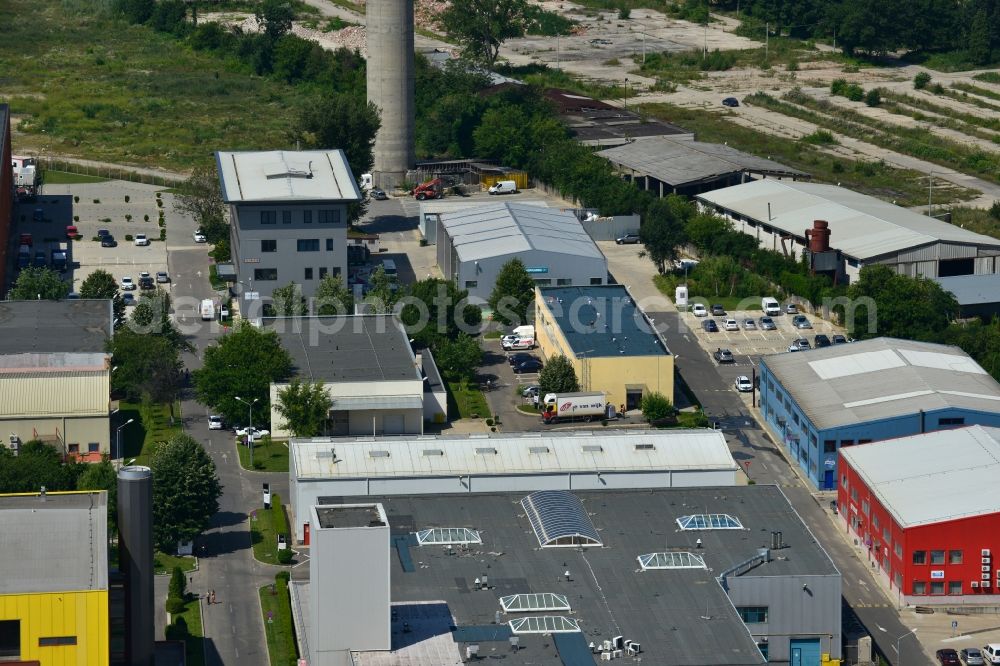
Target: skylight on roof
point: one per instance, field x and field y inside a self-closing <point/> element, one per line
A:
<point x="544" y="624"/>
<point x="448" y="535"/>
<point x="679" y="560"/>
<point x="559" y="519"/>
<point x="709" y="521"/>
<point x="533" y="603"/>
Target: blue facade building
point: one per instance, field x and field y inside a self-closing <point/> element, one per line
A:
<point x="823" y="399"/>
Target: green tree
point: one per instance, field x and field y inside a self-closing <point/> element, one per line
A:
<point x="288" y="301"/>
<point x="276" y="17"/>
<point x="200" y="197"/>
<point x="151" y="315"/>
<point x="35" y="283"/>
<point x="186" y="491"/>
<point x="243" y="362"/>
<point x="305" y="407"/>
<point x="459" y="359"/>
<point x="37" y="464"/>
<point x="435" y="309"/>
<point x="921" y="80"/>
<point x="147" y="367"/>
<point x="177" y="587"/>
<point x="383" y="293"/>
<point x="663" y="229"/>
<point x="656" y="406"/>
<point x="513" y="295"/>
<point x="333" y="297"/>
<point x="904" y="307"/>
<point x="101" y="284"/>
<point x="558" y="376"/>
<point x="979" y="39"/>
<point x="482" y="26"/>
<point x="342" y="121"/>
<point x="873" y="97"/>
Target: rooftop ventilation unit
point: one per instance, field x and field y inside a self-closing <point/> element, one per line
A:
<point x="433" y="452"/>
<point x="378" y="453"/>
<point x="486" y="451"/>
<point x="538" y="449"/>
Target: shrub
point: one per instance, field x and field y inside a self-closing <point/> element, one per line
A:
<point x="821" y="137"/>
<point x="145" y="218"/>
<point x="624" y="12"/>
<point x="126" y="198"/>
<point x="854" y="92"/>
<point x="283" y="576"/>
<point x="128" y="218"/>
<point x="128" y="237"/>
<point x="793" y="66"/>
<point x="838" y="86"/>
<point x="97" y="201"/>
<point x="873" y="98"/>
<point x="175" y="605"/>
<point x="489" y="422"/>
<point x="655" y="406"/>
<point x="76" y="199"/>
<point x="178" y="584"/>
<point x="423" y="242"/>
<point x="921" y="80"/>
<point x="159" y="203"/>
<point x="284" y="556"/>
<point x="937" y="89"/>
<point x="995" y="210"/>
<point x="163" y="234"/>
<point x="76" y="218"/>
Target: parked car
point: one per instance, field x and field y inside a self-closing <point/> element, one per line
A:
<point x="799" y="345"/>
<point x="215" y="423"/>
<point x="256" y="433"/>
<point x="731" y="325"/>
<point x="749" y="325"/>
<point x="128" y="298"/>
<point x="743" y="384"/>
<point x="101" y="233"/>
<point x="723" y="356"/>
<point x="791" y="308"/>
<point x="531" y="365"/>
<point x="767" y="324"/>
<point x="730" y="102"/>
<point x="839" y="339"/>
<point x="199" y="236"/>
<point x="141" y="240"/>
<point x="71" y="231"/>
<point x="947" y="657"/>
<point x="801" y="321"/>
<point x="40" y="260"/>
<point x="718" y="311"/>
<point x="710" y="326"/>
<point x="628" y="239"/>
<point x="530" y="391"/>
<point x="991" y="653"/>
<point x="520" y="357"/>
<point x="127" y="284"/>
<point x="162" y="277"/>
<point x="146" y="281"/>
<point x="108" y="241"/>
<point x="379" y="195"/>
<point x="821" y="340"/>
<point x="971" y="657"/>
<point x="699" y="310"/>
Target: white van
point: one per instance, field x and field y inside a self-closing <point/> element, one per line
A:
<point x="503" y="187"/>
<point x="208" y="309"/>
<point x="770" y="306"/>
<point x="525" y="331"/>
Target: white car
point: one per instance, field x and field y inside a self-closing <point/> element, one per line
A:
<point x="257" y="434"/>
<point x="215" y="422"/>
<point x="731" y="325"/>
<point x="141" y="240"/>
<point x="127" y="284"/>
<point x="198" y="236"/>
<point x="699" y="310"/>
<point x="743" y="384"/>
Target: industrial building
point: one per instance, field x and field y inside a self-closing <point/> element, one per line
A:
<point x="447" y="465"/>
<point x="431" y="211"/>
<point x="859" y="230"/>
<point x="54" y="606"/>
<point x="689" y="576"/>
<point x="599" y="124"/>
<point x="474" y="244"/>
<point x="824" y="400"/>
<point x="611" y="343"/>
<point x="390" y="85"/>
<point x="927" y="510"/>
<point x="6" y="192"/>
<point x="678" y="165"/>
<point x="288" y="219"/>
<point x="55" y="375"/>
<point x="977" y="295"/>
<point x="368" y="367"/>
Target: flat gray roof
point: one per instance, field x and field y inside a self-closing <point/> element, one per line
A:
<point x="882" y="378"/>
<point x="290" y="176"/>
<point x="684" y="162"/>
<point x="500" y="229"/>
<point x="663" y="610"/>
<point x="42" y="327"/>
<point x="34" y="556"/>
<point x="973" y="289"/>
<point x="861" y="226"/>
<point x="346" y="348"/>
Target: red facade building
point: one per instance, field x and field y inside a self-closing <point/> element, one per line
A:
<point x="927" y="510"/>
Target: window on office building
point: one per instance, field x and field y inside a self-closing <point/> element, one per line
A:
<point x="955" y="587"/>
<point x="74" y="448"/>
<point x="329" y="244"/>
<point x="322" y="272"/>
<point x="829" y="446"/>
<point x="843" y="480"/>
<point x="753" y="614"/>
<point x="268" y="217"/>
<point x="920" y="557"/>
<point x="307" y="216"/>
<point x="937" y="557"/>
<point x="951" y="421"/>
<point x="596" y="281"/>
<point x="564" y="282"/>
<point x="886" y="535"/>
<point x="308" y="274"/>
<point x="543" y="282"/>
<point x="10" y="639"/>
<point x="286" y="217"/>
<point x="471" y="284"/>
<point x="763" y="649"/>
<point x="898" y="548"/>
<point x="265" y="274"/>
<point x="307" y="245"/>
<point x="875" y="522"/>
<point x="937" y="587"/>
<point x="919" y="587"/>
<point x="864" y="507"/>
<point x="93" y="447"/>
<point x="954" y="557"/>
<point x="854" y="494"/>
<point x="270" y="245"/>
<point x="329" y="217"/>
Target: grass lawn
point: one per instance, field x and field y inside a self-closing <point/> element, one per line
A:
<point x="730" y="303"/>
<point x="194" y="640"/>
<point x="696" y="419"/>
<point x="67" y="178"/>
<point x="467" y="401"/>
<point x="268" y="455"/>
<point x="977" y="220"/>
<point x="151" y="425"/>
<point x="492" y="335"/>
<point x="164" y="564"/>
<point x="265" y="526"/>
<point x="276" y="606"/>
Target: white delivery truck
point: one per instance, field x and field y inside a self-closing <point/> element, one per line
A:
<point x="522" y="337"/>
<point x="586" y="406"/>
<point x="208" y="309"/>
<point x="770" y="306"/>
<point x="503" y="187"/>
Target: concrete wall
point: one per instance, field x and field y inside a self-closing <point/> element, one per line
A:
<point x="435" y="406"/>
<point x="80" y="430"/>
<point x="386" y="422"/>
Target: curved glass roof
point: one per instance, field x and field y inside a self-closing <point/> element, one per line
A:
<point x="679" y="560"/>
<point x="709" y="521"/>
<point x="531" y="603"/>
<point x="448" y="535"/>
<point x="543" y="624"/>
<point x="559" y="519"/>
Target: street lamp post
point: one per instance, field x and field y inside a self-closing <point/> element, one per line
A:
<point x="626" y="93"/>
<point x="250" y="425"/>
<point x="913" y="631"/>
<point x="118" y="440"/>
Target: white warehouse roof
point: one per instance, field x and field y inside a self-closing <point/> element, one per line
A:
<point x="882" y="378"/>
<point x="496" y="230"/>
<point x="521" y="453"/>
<point x="288" y="176"/>
<point x="861" y="226"/>
<point x="933" y="477"/>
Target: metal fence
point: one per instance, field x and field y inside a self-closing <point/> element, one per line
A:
<point x="109" y="172"/>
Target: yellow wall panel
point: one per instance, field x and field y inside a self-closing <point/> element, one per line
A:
<point x="80" y="614"/>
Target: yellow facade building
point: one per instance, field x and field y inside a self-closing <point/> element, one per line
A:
<point x="54" y="586"/>
<point x="608" y="339"/>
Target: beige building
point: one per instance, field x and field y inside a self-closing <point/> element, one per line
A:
<point x="608" y="339"/>
<point x="55" y="375"/>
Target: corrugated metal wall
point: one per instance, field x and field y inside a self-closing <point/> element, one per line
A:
<point x="519" y="177"/>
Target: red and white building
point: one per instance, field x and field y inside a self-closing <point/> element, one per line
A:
<point x="927" y="509"/>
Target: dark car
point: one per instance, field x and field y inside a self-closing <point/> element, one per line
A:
<point x="723" y="356"/>
<point x="146" y="282"/>
<point x="839" y="339"/>
<point x="947" y="657"/>
<point x="521" y="357"/>
<point x="628" y="239"/>
<point x="101" y="233"/>
<point x="531" y="365"/>
<point x="730" y="102"/>
<point x="379" y="195"/>
<point x="108" y="241"/>
<point x="710" y="326"/>
<point x="821" y="341"/>
<point x="40" y="260"/>
<point x="718" y="311"/>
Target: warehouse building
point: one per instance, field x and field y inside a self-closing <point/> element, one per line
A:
<point x="824" y="400"/>
<point x="431" y="211"/>
<point x="55" y="375"/>
<point x="54" y="599"/>
<point x="977" y="295"/>
<point x="687" y="577"/>
<point x="610" y="342"/>
<point x="368" y="367"/>
<point x="859" y="230"/>
<point x="927" y="510"/>
<point x="673" y="165"/>
<point x="447" y="465"/>
<point x="474" y="244"/>
<point x="288" y="218"/>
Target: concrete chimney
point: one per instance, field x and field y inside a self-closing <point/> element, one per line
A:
<point x="389" y="25"/>
<point x="135" y="560"/>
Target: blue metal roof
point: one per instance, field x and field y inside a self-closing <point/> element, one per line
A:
<point x="559" y="519"/>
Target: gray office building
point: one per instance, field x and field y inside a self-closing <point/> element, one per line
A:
<point x="288" y="213"/>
